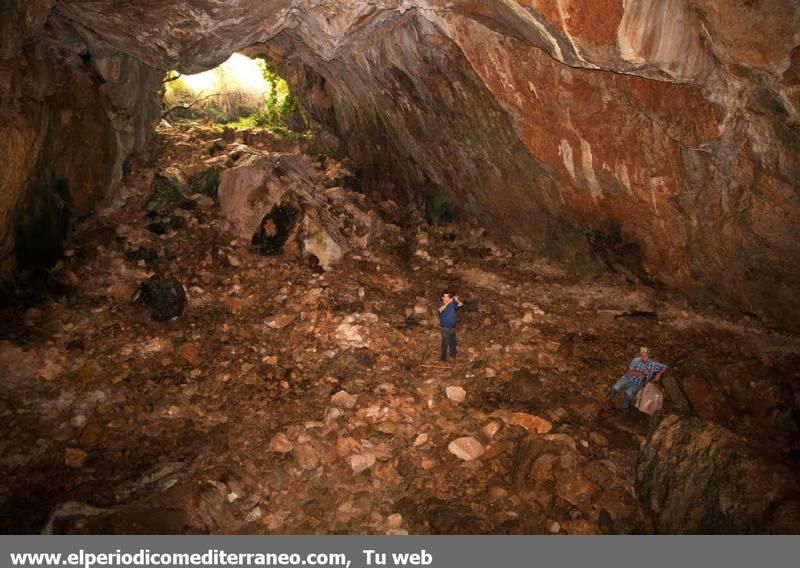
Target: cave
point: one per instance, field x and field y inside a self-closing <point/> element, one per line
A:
<point x="588" y="176"/>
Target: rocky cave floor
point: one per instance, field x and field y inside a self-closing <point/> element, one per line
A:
<point x="291" y="400"/>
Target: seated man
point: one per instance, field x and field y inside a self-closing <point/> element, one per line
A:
<point x="640" y="372"/>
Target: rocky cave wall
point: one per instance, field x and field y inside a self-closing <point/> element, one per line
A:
<point x="72" y="110"/>
<point x="658" y="136"/>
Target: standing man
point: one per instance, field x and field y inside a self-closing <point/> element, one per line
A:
<point x="447" y="322"/>
<point x="641" y="371"/>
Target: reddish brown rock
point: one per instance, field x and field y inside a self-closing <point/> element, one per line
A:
<point x="466" y="448"/>
<point x="189" y="352"/>
<point x="581" y="527"/>
<point x="701" y="396"/>
<point x="530" y="422"/>
<point x="573" y="488"/>
<point x="696" y="477"/>
<point x="665" y="132"/>
<point x="75" y="457"/>
<point x="281" y="444"/>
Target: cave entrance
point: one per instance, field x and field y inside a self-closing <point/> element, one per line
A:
<point x="241" y="93"/>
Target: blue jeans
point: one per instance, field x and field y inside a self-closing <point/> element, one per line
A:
<point x="630" y="389"/>
<point x="448" y="341"/>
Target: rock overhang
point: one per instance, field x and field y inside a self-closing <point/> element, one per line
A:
<point x="640" y="125"/>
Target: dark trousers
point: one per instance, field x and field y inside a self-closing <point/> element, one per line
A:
<point x="448" y="341"/>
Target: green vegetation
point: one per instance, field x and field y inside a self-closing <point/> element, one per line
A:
<point x="280" y="103"/>
<point x="241" y="94"/>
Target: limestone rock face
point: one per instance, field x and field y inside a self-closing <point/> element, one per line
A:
<point x="657" y="137"/>
<point x="69" y="118"/>
<point x="697" y="477"/>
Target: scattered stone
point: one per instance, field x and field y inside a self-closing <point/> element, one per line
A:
<point x="92" y="435"/>
<point x="89" y="371"/>
<point x="274" y="521"/>
<point x="456" y="394"/>
<point x="350" y="335"/>
<point x="234" y="305"/>
<point x="332" y="413"/>
<point x="581" y="527"/>
<point x="466" y="448"/>
<point x="190" y="352"/>
<point x="490" y="373"/>
<point x="420" y="440"/>
<point x="307" y="457"/>
<point x="253" y="515"/>
<point x="344" y="399"/>
<point x="281" y="321"/>
<point x="497" y="493"/>
<point x="387" y="427"/>
<point x="490" y="429"/>
<point x="346" y="446"/>
<point x="394" y="521"/>
<point x="598" y="439"/>
<point x="78" y="421"/>
<point x="530" y="422"/>
<point x="50" y="370"/>
<point x="75" y="457"/>
<point x="574" y="489"/>
<point x="361" y="462"/>
<point x="280" y="443"/>
<point x="123" y="292"/>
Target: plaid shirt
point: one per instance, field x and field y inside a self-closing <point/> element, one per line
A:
<point x="651" y="368"/>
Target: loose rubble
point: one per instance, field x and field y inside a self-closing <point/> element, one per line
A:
<point x="297" y="389"/>
<point x="466" y="448"/>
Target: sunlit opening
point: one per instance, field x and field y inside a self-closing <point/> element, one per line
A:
<point x="239" y="73"/>
<point x="242" y="92"/>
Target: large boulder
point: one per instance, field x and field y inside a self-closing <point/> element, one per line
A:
<point x="258" y="182"/>
<point x="167" y="501"/>
<point x="164" y="295"/>
<point x="169" y="189"/>
<point x="206" y="182"/>
<point x="548" y="468"/>
<point x="279" y="204"/>
<point x="697" y="477"/>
